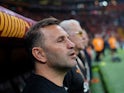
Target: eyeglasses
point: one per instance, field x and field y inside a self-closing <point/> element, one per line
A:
<point x="79" y="33"/>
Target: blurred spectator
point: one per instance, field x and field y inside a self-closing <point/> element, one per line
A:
<point x="113" y="44"/>
<point x="98" y="46"/>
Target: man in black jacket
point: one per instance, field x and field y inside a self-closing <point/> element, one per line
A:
<point x="53" y="55"/>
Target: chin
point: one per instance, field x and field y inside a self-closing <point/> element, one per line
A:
<point x="74" y="63"/>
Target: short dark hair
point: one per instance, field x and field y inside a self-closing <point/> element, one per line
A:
<point x="34" y="37"/>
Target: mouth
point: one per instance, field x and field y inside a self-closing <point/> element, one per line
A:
<point x="73" y="55"/>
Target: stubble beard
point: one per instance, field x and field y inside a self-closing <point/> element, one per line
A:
<point x="57" y="62"/>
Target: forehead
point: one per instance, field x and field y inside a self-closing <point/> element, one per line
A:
<point x="53" y="31"/>
<point x="75" y="27"/>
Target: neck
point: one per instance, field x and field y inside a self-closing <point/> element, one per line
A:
<point x="54" y="76"/>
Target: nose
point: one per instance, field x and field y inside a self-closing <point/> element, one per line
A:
<point x="70" y="44"/>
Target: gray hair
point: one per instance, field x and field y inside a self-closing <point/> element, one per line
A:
<point x="67" y="25"/>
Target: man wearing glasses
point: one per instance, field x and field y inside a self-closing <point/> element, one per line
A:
<point x="76" y="79"/>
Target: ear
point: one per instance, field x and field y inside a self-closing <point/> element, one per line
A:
<point x="39" y="54"/>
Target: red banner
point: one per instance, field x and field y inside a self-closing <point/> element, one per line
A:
<point x="13" y="24"/>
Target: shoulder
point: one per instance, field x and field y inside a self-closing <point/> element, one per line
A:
<point x="36" y="84"/>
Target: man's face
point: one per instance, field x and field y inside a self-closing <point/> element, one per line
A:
<point x="85" y="38"/>
<point x="59" y="49"/>
<point x="76" y="35"/>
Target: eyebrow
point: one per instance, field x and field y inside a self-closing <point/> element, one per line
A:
<point x="63" y="36"/>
